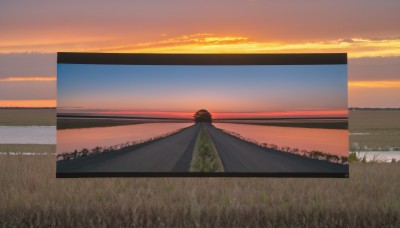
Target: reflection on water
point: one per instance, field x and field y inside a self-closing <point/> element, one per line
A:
<point x="27" y="134"/>
<point x="70" y="139"/>
<point x="326" y="140"/>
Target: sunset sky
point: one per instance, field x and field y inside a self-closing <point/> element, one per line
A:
<point x="248" y="91"/>
<point x="33" y="31"/>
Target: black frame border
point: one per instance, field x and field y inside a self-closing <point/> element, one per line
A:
<point x="199" y="174"/>
<point x="201" y="59"/>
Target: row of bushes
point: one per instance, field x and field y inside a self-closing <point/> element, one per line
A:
<point x="97" y="150"/>
<point x="305" y="153"/>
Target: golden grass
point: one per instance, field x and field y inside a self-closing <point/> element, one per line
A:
<point x="34" y="148"/>
<point x="31" y="195"/>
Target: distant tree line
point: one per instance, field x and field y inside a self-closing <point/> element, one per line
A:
<point x="357" y="108"/>
<point x="1" y="107"/>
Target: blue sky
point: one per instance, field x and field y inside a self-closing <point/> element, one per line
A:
<point x="188" y="88"/>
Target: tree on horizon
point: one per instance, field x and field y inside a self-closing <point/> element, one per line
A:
<point x="202" y="116"/>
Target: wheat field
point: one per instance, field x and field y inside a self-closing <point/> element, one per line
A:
<point x="32" y="196"/>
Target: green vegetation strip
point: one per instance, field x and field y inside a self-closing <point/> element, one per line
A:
<point x="205" y="156"/>
<point x="34" y="148"/>
<point x="27" y="117"/>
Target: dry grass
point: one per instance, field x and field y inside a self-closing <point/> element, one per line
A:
<point x="361" y="120"/>
<point x="34" y="148"/>
<point x="382" y="128"/>
<point x="27" y="117"/>
<point x="30" y="195"/>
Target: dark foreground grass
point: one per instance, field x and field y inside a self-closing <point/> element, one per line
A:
<point x="31" y="196"/>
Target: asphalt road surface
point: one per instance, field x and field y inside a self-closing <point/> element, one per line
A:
<point x="241" y="156"/>
<point x="170" y="154"/>
<point x="174" y="154"/>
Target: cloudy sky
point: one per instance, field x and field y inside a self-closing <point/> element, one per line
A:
<point x="33" y="31"/>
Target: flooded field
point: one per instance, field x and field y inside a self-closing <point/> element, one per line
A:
<point x="379" y="156"/>
<point x="76" y="139"/>
<point x="330" y="141"/>
<point x="27" y="134"/>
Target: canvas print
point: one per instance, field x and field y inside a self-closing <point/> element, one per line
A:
<point x="212" y="120"/>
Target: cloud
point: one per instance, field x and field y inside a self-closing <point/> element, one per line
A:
<point x="27" y="64"/>
<point x="374" y="69"/>
<point x="211" y="43"/>
<point x="28" y="103"/>
<point x="25" y="79"/>
<point x="214" y="43"/>
<point x="374" y="84"/>
<point x="181" y="41"/>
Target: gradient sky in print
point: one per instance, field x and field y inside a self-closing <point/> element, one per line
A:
<point x="227" y="89"/>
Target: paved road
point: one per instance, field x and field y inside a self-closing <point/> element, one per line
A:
<point x="171" y="154"/>
<point x="240" y="156"/>
<point x="174" y="154"/>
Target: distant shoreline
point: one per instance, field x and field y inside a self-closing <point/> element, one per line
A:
<point x="375" y="109"/>
<point x="351" y="108"/>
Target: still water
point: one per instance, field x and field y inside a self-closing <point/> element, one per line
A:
<point x="76" y="139"/>
<point x="27" y="134"/>
<point x="330" y="141"/>
<point x="379" y="156"/>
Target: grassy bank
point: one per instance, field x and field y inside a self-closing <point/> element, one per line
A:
<point x="90" y="123"/>
<point x="34" y="148"/>
<point x="322" y="125"/>
<point x="32" y="196"/>
<point x="205" y="155"/>
<point x="27" y="117"/>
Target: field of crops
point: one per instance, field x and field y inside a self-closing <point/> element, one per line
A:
<point x="31" y="195"/>
<point x="374" y="130"/>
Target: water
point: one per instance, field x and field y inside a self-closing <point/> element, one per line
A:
<point x="330" y="141"/>
<point x="27" y="134"/>
<point x="380" y="156"/>
<point x="76" y="139"/>
<point x="27" y="153"/>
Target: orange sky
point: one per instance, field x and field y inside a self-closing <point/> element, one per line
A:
<point x="219" y="115"/>
<point x="368" y="32"/>
<point x="28" y="103"/>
